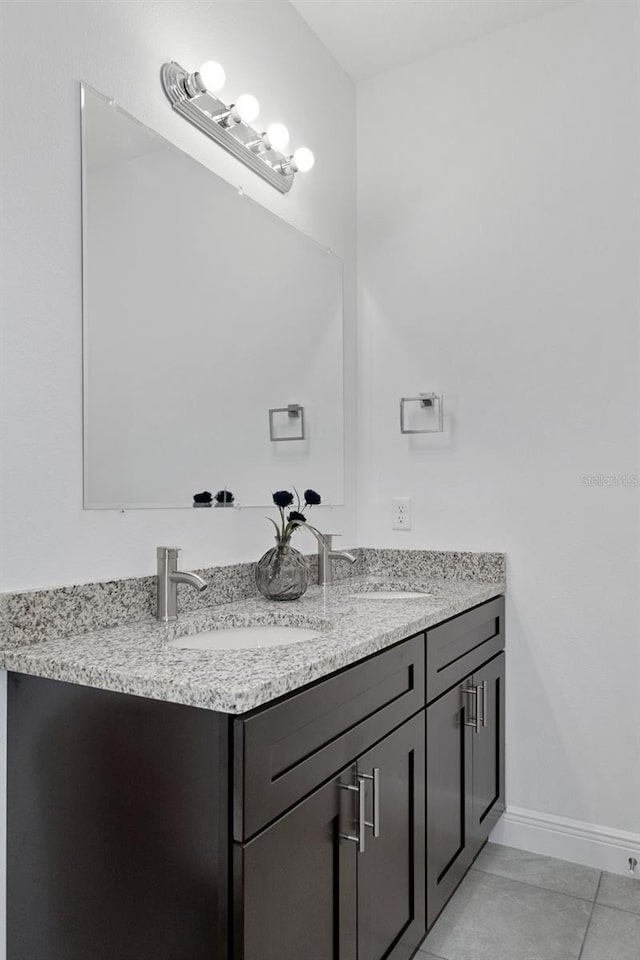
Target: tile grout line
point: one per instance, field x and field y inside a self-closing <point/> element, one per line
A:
<point x="536" y="886"/>
<point x="588" y="927"/>
<point x="608" y="906"/>
<point x="423" y="951"/>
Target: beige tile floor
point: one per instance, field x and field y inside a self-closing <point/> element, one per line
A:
<point x="514" y="905"/>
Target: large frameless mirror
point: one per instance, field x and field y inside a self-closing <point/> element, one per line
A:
<point x="213" y="332"/>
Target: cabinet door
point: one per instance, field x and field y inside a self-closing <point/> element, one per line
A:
<point x="488" y="751"/>
<point x="296" y="882"/>
<point x="449" y="794"/>
<point x="391" y="894"/>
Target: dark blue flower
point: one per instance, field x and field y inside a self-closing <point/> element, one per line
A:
<point x="295" y="515"/>
<point x="282" y="498"/>
<point x="224" y="496"/>
<point x="311" y="498"/>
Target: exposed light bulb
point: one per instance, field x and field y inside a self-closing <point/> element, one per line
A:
<point x="278" y="136"/>
<point x="303" y="159"/>
<point x="247" y="108"/>
<point x="212" y="75"/>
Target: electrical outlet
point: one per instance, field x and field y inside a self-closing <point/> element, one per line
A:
<point x="401" y="513"/>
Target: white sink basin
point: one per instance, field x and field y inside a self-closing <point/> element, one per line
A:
<point x="391" y="595"/>
<point x="245" y="638"/>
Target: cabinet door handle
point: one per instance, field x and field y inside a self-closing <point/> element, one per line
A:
<point x="360" y="790"/>
<point x="475" y="721"/>
<point x="375" y="777"/>
<point x="484" y="702"/>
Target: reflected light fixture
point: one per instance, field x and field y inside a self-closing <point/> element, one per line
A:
<point x="194" y="96"/>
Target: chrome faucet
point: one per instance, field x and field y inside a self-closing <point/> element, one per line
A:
<point x="168" y="579"/>
<point x="326" y="554"/>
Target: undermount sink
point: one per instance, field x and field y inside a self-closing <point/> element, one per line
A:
<point x="245" y="638"/>
<point x="393" y="590"/>
<point x="391" y="595"/>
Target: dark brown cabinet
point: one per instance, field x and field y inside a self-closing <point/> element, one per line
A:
<point x="465" y="778"/>
<point x="488" y="752"/>
<point x="391" y="879"/>
<point x="117" y="834"/>
<point x="284" y="751"/>
<point x="331" y="824"/>
<point x="295" y="883"/>
<point x="341" y="876"/>
<point x="449" y="797"/>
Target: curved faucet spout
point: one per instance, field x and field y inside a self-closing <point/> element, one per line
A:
<point x="342" y="555"/>
<point x="192" y="579"/>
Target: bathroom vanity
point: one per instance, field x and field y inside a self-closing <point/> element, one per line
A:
<point x="332" y="821"/>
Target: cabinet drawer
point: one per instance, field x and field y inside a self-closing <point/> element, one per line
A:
<point x="283" y="752"/>
<point x="458" y="647"/>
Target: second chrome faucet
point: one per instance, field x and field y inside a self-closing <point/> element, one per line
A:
<point x="326" y="554"/>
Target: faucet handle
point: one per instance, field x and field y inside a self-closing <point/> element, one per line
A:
<point x="167" y="554"/>
<point x="329" y="538"/>
<point x="163" y="551"/>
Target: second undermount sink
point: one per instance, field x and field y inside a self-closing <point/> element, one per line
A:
<point x="390" y="590"/>
<point x="391" y="595"/>
<point x="252" y="637"/>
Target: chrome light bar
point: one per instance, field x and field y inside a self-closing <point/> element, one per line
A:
<point x="229" y="126"/>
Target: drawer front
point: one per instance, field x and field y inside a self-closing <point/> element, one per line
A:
<point x="457" y="648"/>
<point x="284" y="752"/>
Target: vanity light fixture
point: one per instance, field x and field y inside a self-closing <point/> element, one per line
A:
<point x="194" y="96"/>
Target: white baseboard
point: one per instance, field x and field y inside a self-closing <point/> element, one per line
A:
<point x="573" y="840"/>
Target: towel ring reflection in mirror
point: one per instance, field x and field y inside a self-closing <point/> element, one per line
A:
<point x="294" y="412"/>
<point x="428" y="402"/>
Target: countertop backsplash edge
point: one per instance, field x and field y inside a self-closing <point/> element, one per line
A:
<point x="30" y="617"/>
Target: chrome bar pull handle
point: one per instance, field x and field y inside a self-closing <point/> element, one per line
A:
<point x="361" y="813"/>
<point x="360" y="790"/>
<point x="376" y="801"/>
<point x="475" y="721"/>
<point x="375" y="777"/>
<point x="484" y="703"/>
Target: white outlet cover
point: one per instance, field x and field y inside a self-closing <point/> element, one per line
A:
<point x="401" y="513"/>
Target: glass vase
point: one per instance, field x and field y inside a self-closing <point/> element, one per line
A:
<point x="282" y="573"/>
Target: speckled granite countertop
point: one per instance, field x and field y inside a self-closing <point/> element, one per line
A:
<point x="135" y="658"/>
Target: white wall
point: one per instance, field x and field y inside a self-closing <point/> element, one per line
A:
<point x="498" y="264"/>
<point x="118" y="48"/>
<point x="499" y="255"/>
